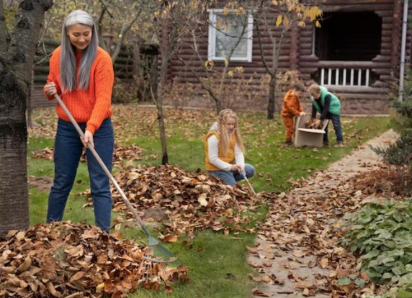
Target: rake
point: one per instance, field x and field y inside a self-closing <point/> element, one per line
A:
<point x="247" y="180"/>
<point x="153" y="243"/>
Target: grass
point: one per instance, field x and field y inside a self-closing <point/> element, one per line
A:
<point x="217" y="263"/>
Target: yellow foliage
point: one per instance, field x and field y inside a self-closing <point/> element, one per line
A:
<point x="279" y="20"/>
<point x="218" y="24"/>
<point x="286" y="21"/>
<point x="314" y="12"/>
<point x="240" y="11"/>
<point x="209" y="65"/>
<point x="239" y="69"/>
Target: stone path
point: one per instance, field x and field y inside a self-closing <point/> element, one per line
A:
<point x="284" y="264"/>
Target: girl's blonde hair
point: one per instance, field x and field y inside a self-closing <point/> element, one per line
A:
<point x="224" y="143"/>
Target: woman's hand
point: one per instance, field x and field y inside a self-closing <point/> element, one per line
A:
<point x="88" y="139"/>
<point x="50" y="89"/>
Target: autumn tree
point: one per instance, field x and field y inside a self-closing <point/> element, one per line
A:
<point x="16" y="64"/>
<point x="277" y="19"/>
<point x="172" y="20"/>
<point x="113" y="17"/>
<point x="232" y="24"/>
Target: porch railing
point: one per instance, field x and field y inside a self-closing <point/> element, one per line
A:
<point x="345" y="74"/>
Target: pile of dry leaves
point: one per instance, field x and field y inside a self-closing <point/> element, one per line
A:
<point x="306" y="222"/>
<point x="77" y="260"/>
<point x="183" y="201"/>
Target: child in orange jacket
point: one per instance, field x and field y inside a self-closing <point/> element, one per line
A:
<point x="291" y="107"/>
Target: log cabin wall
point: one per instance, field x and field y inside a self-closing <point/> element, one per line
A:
<point x="383" y="68"/>
<point x="368" y="94"/>
<point x="254" y="73"/>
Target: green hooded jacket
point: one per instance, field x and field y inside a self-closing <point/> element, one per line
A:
<point x="335" y="105"/>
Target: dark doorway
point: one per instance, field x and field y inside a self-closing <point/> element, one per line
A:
<point x="349" y="36"/>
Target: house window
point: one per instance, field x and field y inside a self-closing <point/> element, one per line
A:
<point x="348" y="36"/>
<point x="224" y="34"/>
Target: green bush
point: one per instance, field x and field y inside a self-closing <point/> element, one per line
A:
<point x="400" y="153"/>
<point x="382" y="236"/>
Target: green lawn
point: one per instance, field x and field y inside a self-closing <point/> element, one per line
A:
<point x="217" y="263"/>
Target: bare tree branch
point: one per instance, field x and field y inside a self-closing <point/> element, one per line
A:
<point x="126" y="27"/>
<point x="262" y="55"/>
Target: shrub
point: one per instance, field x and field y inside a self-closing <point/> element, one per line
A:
<point x="400" y="153"/>
<point x="382" y="236"/>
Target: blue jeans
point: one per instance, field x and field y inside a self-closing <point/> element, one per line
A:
<point x="230" y="177"/>
<point x="336" y="126"/>
<point x="67" y="151"/>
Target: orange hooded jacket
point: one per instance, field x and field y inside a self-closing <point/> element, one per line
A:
<point x="291" y="105"/>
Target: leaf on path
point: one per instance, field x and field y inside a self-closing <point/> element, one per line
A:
<point x="258" y="292"/>
<point x="324" y="263"/>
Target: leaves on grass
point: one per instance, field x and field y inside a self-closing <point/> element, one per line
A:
<point x="188" y="201"/>
<point x="77" y="260"/>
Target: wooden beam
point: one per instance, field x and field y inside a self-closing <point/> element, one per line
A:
<point x="397" y="16"/>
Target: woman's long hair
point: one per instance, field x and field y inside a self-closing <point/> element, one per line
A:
<point x="224" y="143"/>
<point x="67" y="57"/>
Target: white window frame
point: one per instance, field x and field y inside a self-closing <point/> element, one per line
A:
<point x="212" y="38"/>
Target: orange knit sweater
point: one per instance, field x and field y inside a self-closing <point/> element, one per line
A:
<point x="92" y="105"/>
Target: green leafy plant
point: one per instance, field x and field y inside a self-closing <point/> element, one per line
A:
<point x="382" y="236"/>
<point x="400" y="153"/>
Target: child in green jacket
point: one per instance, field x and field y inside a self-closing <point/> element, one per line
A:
<point x="328" y="105"/>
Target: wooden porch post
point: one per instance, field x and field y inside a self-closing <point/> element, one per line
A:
<point x="396" y="30"/>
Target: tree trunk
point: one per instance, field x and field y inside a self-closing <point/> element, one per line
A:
<point x="166" y="49"/>
<point x="162" y="129"/>
<point x="218" y="105"/>
<point x="14" y="210"/>
<point x="272" y="97"/>
<point x="16" y="66"/>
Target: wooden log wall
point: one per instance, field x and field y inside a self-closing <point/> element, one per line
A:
<point x="384" y="67"/>
<point x="373" y="100"/>
<point x="254" y="71"/>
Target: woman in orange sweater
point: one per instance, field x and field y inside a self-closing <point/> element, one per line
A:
<point x="82" y="74"/>
<point x="291" y="107"/>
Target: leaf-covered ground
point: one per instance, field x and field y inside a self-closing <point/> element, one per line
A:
<point x="179" y="201"/>
<point x="299" y="249"/>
